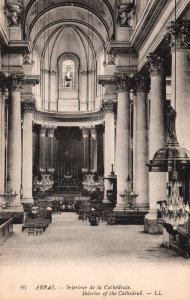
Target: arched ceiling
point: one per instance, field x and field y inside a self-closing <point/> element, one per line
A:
<point x="93" y="20"/>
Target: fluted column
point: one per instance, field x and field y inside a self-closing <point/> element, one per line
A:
<point x="42" y="150"/>
<point x="122" y="138"/>
<point x="85" y="135"/>
<point x="109" y="141"/>
<point x="93" y="149"/>
<point x="141" y="151"/>
<point x="15" y="82"/>
<point x="179" y="39"/>
<point x="2" y="133"/>
<point x="157" y="139"/>
<point x="29" y="106"/>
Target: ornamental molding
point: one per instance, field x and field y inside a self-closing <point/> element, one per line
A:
<point x="178" y="35"/>
<point x="155" y="64"/>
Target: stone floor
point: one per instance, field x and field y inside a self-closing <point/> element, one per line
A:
<point x="72" y="247"/>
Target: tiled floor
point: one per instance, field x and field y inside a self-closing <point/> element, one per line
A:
<point x="68" y="239"/>
<point x="71" y="252"/>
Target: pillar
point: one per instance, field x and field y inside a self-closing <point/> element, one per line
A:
<point x="179" y="38"/>
<point x="157" y="140"/>
<point x="2" y="134"/>
<point x="122" y="138"/>
<point x="15" y="82"/>
<point x="50" y="158"/>
<point x="27" y="165"/>
<point x="109" y="141"/>
<point x="42" y="150"/>
<point x="93" y="149"/>
<point x="85" y="135"/>
<point x="141" y="151"/>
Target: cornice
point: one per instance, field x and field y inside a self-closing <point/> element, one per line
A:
<point x="19" y="46"/>
<point x="106" y="79"/>
<point x="63" y="118"/>
<point x="158" y="29"/>
<point x="146" y="21"/>
<point x="117" y="47"/>
<point x="32" y="79"/>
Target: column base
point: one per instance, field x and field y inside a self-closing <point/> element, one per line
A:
<point x="27" y="200"/>
<point x="120" y="207"/>
<point x="106" y="201"/>
<point x="151" y="225"/>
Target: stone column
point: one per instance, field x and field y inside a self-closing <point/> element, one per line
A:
<point x="50" y="158"/>
<point x="85" y="134"/>
<point x="2" y="133"/>
<point x="29" y="106"/>
<point x="122" y="138"/>
<point x="157" y="139"/>
<point x="109" y="138"/>
<point x="42" y="150"/>
<point x="179" y="38"/>
<point x="141" y="151"/>
<point x="15" y="82"/>
<point x="93" y="149"/>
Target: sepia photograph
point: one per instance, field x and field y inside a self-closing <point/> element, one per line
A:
<point x="94" y="149"/>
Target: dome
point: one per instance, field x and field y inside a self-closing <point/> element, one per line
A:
<point x="165" y="158"/>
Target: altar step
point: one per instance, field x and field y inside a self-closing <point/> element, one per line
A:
<point x="129" y="217"/>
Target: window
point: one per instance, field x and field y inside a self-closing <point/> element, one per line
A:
<point x="68" y="74"/>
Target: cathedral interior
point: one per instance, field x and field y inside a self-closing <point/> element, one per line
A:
<point x="94" y="115"/>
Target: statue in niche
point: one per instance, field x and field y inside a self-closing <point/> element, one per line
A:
<point x="124" y="14"/>
<point x="170" y="115"/>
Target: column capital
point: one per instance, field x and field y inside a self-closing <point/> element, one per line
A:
<point x="29" y="105"/>
<point x="178" y="35"/>
<point x="3" y="81"/>
<point x="85" y="131"/>
<point x="155" y="64"/>
<point x="141" y="82"/>
<point x="123" y="82"/>
<point x="51" y="131"/>
<point x="15" y="81"/>
<point x="108" y="105"/>
<point x="93" y="131"/>
<point x="43" y="131"/>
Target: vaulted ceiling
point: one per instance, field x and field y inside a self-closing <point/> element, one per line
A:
<point x="91" y="21"/>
